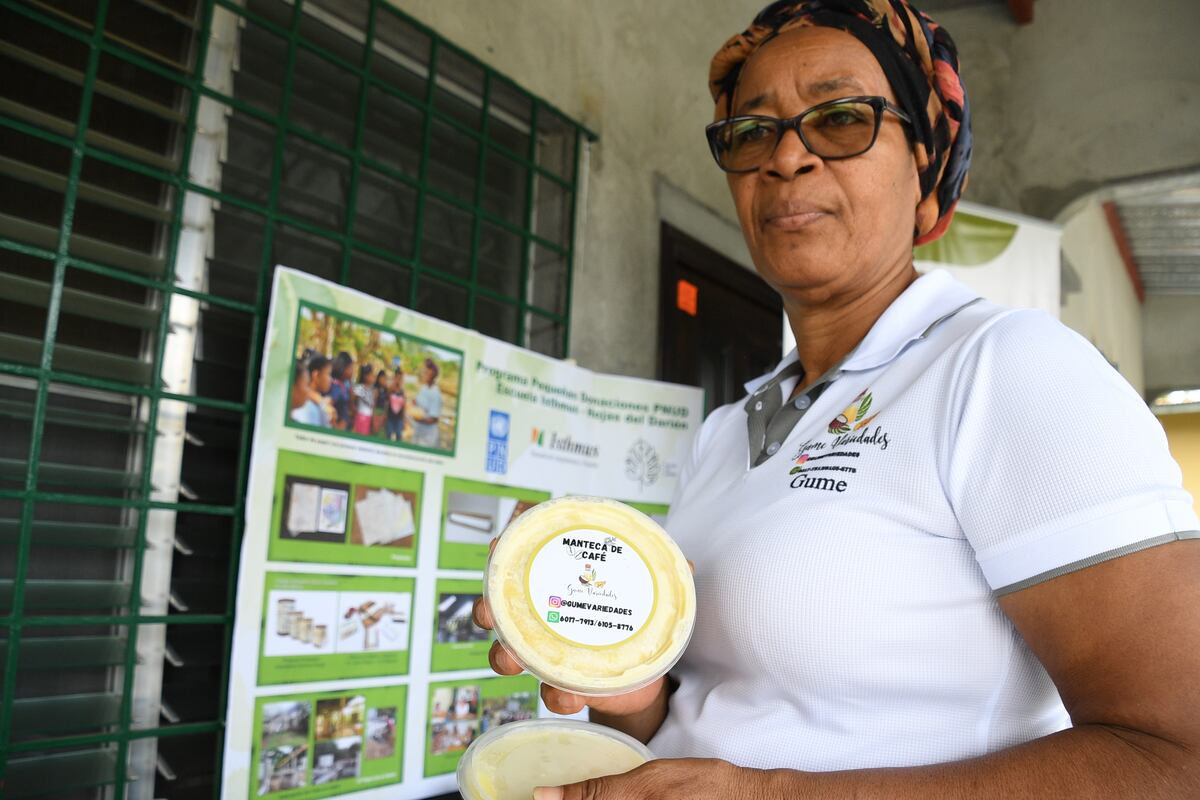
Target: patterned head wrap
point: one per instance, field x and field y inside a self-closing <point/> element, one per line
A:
<point x="921" y="64"/>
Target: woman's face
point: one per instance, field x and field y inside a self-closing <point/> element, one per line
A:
<point x="323" y="378"/>
<point x="823" y="228"/>
<point x="427" y="375"/>
<point x="300" y="388"/>
<point x="397" y="381"/>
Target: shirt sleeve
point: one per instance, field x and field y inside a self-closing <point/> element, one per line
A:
<point x="1054" y="462"/>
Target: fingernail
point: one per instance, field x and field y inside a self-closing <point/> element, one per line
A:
<point x="548" y="793"/>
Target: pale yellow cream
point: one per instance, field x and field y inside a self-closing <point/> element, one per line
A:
<point x="615" y="668"/>
<point x="515" y="763"/>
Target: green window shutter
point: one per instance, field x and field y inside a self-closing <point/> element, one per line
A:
<point x="157" y="159"/>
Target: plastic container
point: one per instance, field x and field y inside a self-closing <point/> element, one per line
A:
<point x="510" y="761"/>
<point x="590" y="595"/>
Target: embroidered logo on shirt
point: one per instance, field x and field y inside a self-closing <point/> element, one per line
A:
<point x="825" y="464"/>
<point x="855" y="415"/>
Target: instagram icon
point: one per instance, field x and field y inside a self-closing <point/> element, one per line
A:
<point x="555" y="601"/>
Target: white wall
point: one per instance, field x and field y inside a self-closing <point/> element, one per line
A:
<point x="1171" y="331"/>
<point x="1107" y="310"/>
<point x="636" y="74"/>
<point x="1091" y="91"/>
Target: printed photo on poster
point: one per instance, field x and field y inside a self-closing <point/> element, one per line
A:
<point x="283" y="746"/>
<point x="343" y="512"/>
<point x="458" y="643"/>
<point x="338" y="749"/>
<point x="460" y="711"/>
<point x="383" y="518"/>
<point x="455" y="625"/>
<point x="502" y="710"/>
<point x="381" y="732"/>
<point x="455" y="719"/>
<point x="373" y="621"/>
<point x="474" y="513"/>
<point x="299" y="623"/>
<point x="328" y="627"/>
<point x="315" y="510"/>
<point x="363" y="380"/>
<point x="323" y="744"/>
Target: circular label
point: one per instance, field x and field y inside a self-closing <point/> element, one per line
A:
<point x="590" y="587"/>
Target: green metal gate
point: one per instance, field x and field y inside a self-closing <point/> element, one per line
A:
<point x="157" y="158"/>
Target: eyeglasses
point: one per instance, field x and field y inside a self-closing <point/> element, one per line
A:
<point x="836" y="129"/>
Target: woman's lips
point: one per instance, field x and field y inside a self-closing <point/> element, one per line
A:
<point x="793" y="222"/>
<point x="792" y="217"/>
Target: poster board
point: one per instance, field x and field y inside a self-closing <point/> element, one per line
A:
<point x="356" y="669"/>
<point x="1008" y="258"/>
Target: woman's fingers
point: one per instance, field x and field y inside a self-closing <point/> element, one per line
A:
<point x="561" y="702"/>
<point x="502" y="661"/>
<point x="481" y="613"/>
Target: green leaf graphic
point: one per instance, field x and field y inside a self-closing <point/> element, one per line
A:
<point x="971" y="241"/>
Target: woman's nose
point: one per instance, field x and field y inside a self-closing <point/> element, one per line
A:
<point x="791" y="157"/>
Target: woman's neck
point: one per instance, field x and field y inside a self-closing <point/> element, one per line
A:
<point x="828" y="330"/>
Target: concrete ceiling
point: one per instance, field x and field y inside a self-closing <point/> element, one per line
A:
<point x="950" y="5"/>
<point x="1022" y="10"/>
<point x="1161" y="220"/>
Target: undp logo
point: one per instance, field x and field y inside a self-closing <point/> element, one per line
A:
<point x="498" y="425"/>
<point x="497" y="446"/>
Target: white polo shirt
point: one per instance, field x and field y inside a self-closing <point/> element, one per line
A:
<point x="846" y="586"/>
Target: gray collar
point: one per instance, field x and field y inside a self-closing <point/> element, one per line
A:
<point x="770" y="420"/>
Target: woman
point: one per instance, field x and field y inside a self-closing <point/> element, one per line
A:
<point x="320" y="385"/>
<point x="304" y="409"/>
<point x="937" y="551"/>
<point x="380" y="411"/>
<point x="428" y="407"/>
<point x="394" y="426"/>
<point x="339" y="393"/>
<point x="364" y="400"/>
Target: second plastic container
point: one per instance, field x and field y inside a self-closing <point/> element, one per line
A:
<point x="510" y="761"/>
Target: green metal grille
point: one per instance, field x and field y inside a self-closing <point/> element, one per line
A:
<point x="387" y="159"/>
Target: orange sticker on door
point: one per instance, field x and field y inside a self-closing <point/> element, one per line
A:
<point x="685" y="297"/>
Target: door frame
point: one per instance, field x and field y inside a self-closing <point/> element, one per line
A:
<point x="676" y="245"/>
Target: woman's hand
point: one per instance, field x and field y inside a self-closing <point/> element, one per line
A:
<point x="557" y="700"/>
<point x="670" y="779"/>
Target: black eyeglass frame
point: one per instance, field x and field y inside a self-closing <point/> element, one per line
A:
<point x="879" y="104"/>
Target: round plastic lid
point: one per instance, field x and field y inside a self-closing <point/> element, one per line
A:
<point x="590" y="595"/>
<point x="510" y="761"/>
